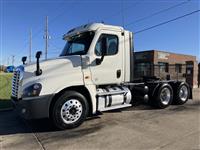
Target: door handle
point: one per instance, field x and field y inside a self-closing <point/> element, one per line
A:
<point x="118" y="73"/>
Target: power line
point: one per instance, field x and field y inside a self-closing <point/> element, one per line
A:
<point x="41" y="29"/>
<point x="56" y="47"/>
<point x="62" y="12"/>
<point x="157" y="13"/>
<point x="165" y="22"/>
<point x="55" y="52"/>
<point x="124" y="9"/>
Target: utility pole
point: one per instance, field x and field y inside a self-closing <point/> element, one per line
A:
<point x="46" y="37"/>
<point x="30" y="46"/>
<point x="13" y="59"/>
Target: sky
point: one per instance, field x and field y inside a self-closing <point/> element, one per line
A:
<point x="18" y="17"/>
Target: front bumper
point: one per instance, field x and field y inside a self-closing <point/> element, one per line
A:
<point x="33" y="107"/>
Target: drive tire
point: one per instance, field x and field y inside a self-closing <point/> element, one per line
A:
<point x="164" y="96"/>
<point x="182" y="94"/>
<point x="61" y="115"/>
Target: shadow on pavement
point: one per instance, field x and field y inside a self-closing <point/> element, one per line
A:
<point x="11" y="123"/>
<point x="5" y="104"/>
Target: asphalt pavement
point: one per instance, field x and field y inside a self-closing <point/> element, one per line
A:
<point x="135" y="128"/>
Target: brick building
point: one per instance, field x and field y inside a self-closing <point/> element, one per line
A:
<point x="166" y="65"/>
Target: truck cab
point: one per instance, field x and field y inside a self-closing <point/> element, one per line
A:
<point x="94" y="72"/>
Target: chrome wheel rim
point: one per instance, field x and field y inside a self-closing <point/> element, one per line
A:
<point x="165" y="96"/>
<point x="183" y="93"/>
<point x="71" y="111"/>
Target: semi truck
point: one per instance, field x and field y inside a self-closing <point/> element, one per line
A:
<point x="93" y="73"/>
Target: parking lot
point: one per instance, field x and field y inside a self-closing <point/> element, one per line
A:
<point x="140" y="127"/>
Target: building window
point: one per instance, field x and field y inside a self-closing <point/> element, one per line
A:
<point x="178" y="68"/>
<point x="143" y="69"/>
<point x="163" y="67"/>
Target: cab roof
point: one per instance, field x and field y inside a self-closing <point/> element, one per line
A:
<point x="90" y="27"/>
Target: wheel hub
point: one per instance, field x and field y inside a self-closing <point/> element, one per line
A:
<point x="71" y="111"/>
<point x="183" y="94"/>
<point x="165" y="96"/>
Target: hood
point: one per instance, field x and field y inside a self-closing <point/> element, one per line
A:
<point x="55" y="62"/>
<point x="61" y="66"/>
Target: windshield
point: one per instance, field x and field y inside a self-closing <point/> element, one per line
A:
<point x="78" y="44"/>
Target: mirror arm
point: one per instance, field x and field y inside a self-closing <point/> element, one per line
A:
<point x="102" y="58"/>
<point x="99" y="60"/>
<point x="38" y="70"/>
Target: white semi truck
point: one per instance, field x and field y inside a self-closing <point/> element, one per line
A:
<point x="94" y="73"/>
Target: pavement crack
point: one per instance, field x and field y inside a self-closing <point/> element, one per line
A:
<point x="38" y="141"/>
<point x="35" y="135"/>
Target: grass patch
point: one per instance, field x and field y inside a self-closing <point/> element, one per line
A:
<point x="5" y="90"/>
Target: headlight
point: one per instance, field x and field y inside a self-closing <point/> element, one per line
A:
<point x="33" y="90"/>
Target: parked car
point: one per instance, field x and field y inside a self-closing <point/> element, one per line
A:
<point x="10" y="69"/>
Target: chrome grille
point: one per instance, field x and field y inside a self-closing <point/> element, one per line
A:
<point x="15" y="83"/>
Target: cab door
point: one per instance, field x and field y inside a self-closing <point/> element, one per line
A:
<point x="107" y="58"/>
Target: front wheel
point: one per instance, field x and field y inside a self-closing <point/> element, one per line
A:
<point x="164" y="96"/>
<point x="70" y="110"/>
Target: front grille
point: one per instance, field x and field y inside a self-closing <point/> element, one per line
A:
<point x="15" y="83"/>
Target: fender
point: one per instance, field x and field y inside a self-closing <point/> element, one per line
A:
<point x="157" y="87"/>
<point x="88" y="91"/>
<point x="176" y="85"/>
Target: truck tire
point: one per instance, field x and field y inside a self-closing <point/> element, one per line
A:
<point x="182" y="94"/>
<point x="164" y="96"/>
<point x="70" y="110"/>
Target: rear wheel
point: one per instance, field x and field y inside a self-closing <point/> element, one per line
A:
<point x="164" y="96"/>
<point x="70" y="110"/>
<point x="182" y="94"/>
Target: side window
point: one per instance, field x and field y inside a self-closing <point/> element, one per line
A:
<point x="98" y="47"/>
<point x="111" y="45"/>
